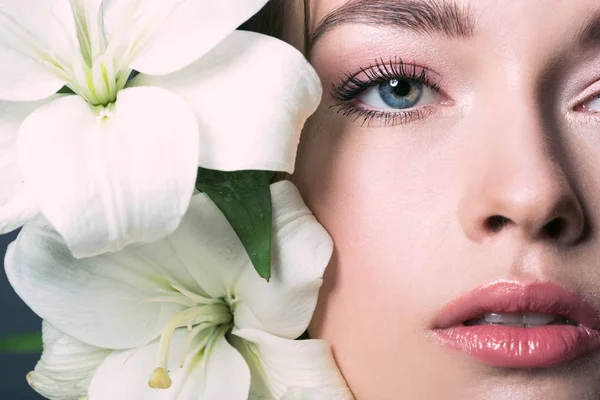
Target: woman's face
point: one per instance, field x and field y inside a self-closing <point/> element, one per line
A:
<point x="457" y="148"/>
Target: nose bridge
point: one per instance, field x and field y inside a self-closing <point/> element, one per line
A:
<point x="517" y="182"/>
<point x="522" y="164"/>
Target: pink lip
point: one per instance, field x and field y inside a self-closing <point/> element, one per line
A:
<point x="514" y="347"/>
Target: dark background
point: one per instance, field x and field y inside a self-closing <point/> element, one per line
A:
<point x="15" y="317"/>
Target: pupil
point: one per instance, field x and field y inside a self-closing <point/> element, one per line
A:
<point x="401" y="88"/>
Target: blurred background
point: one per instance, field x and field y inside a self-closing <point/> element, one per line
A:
<point x="16" y="318"/>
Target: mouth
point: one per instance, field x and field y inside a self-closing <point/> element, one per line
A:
<point x="516" y="325"/>
<point x="520" y="320"/>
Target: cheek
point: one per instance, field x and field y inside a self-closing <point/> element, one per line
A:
<point x="388" y="211"/>
<point x="383" y="209"/>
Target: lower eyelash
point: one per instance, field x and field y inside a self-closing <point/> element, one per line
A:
<point x="386" y="117"/>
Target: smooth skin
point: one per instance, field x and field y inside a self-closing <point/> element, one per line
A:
<point x="514" y="133"/>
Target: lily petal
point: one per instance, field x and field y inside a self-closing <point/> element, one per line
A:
<point x="297" y="393"/>
<point x="16" y="205"/>
<point x="32" y="42"/>
<point x="212" y="255"/>
<point x="301" y="251"/>
<point x="250" y="109"/>
<point x="222" y="374"/>
<point x="66" y="367"/>
<point x="108" y="177"/>
<point x="100" y="300"/>
<point x="167" y="36"/>
<point x="278" y="364"/>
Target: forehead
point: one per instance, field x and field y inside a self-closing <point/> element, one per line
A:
<point x="319" y="8"/>
<point x="514" y="19"/>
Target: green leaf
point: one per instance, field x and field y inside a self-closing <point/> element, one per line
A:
<point x="21" y="343"/>
<point x="244" y="198"/>
<point x="65" y="90"/>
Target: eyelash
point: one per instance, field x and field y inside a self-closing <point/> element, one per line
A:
<point x="352" y="85"/>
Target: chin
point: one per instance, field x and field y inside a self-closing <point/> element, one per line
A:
<point x="465" y="378"/>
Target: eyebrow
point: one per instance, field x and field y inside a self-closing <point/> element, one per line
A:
<point x="423" y="17"/>
<point x="590" y="34"/>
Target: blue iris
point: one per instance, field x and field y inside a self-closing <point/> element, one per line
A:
<point x="400" y="93"/>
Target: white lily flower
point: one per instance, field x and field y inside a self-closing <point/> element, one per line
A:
<point x="116" y="163"/>
<point x="186" y="317"/>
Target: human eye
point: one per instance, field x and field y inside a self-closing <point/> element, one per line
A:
<point x="391" y="93"/>
<point x="589" y="102"/>
<point x="592" y="105"/>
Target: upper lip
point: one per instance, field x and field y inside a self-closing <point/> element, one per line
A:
<point x="517" y="297"/>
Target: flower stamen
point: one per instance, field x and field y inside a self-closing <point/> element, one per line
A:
<point x="160" y="379"/>
<point x="191" y="336"/>
<point x="169" y="299"/>
<point x="193" y="296"/>
<point x="196" y="320"/>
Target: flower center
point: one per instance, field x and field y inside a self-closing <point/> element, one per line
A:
<point x="205" y="318"/>
<point x="99" y="83"/>
<point x="95" y="75"/>
<point x="93" y="68"/>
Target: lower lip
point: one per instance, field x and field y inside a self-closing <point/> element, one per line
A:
<point x="513" y="347"/>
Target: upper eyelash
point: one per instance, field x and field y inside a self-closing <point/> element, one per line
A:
<point x="378" y="72"/>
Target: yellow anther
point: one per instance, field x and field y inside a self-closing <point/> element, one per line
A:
<point x="160" y="379"/>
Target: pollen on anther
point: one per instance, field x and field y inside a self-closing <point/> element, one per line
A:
<point x="160" y="379"/>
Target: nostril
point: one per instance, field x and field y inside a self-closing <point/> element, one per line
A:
<point x="496" y="222"/>
<point x="555" y="228"/>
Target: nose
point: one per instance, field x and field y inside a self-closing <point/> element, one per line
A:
<point x="516" y="185"/>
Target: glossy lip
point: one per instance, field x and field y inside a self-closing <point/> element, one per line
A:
<point x="515" y="297"/>
<point x="514" y="347"/>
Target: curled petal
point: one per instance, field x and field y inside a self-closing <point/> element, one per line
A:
<point x="301" y="251"/>
<point x="108" y="177"/>
<point x="251" y="95"/>
<point x="219" y="374"/>
<point x="16" y="205"/>
<point x="165" y="36"/>
<point x="65" y="370"/>
<point x="278" y="364"/>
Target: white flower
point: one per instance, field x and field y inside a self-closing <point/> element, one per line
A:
<point x="188" y="313"/>
<point x="116" y="163"/>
